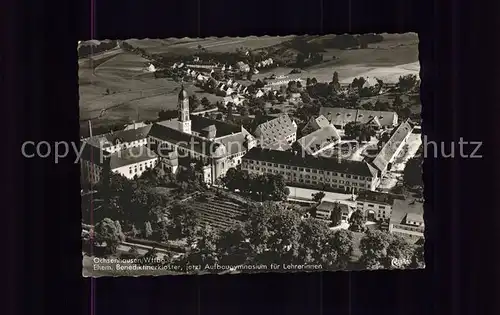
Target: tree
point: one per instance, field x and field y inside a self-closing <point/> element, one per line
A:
<point x="249" y="75"/>
<point x="373" y="247"/>
<point x="418" y="257"/>
<point x="184" y="221"/>
<point x="397" y="103"/>
<point x="313" y="238"/>
<point x="317" y="197"/>
<point x="335" y="81"/>
<point x="357" y="221"/>
<point x="341" y="242"/>
<point x="232" y="247"/>
<point x="358" y="83"/>
<point x="273" y="234"/>
<point x="205" y="103"/>
<point x="205" y="251"/>
<point x="412" y="175"/>
<point x="162" y="231"/>
<point x="135" y="232"/>
<point x="194" y="103"/>
<point x="336" y="215"/>
<point x="272" y="187"/>
<point x="399" y="253"/>
<point x="314" y="81"/>
<point x="109" y="232"/>
<point x="407" y="82"/>
<point x="148" y="230"/>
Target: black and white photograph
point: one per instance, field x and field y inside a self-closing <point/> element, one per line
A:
<point x="225" y="155"/>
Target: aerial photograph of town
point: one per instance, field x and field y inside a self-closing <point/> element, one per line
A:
<point x="251" y="154"/>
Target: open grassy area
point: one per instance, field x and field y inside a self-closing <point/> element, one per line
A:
<point x="212" y="44"/>
<point x="132" y="91"/>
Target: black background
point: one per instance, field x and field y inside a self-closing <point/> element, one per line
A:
<point x="459" y="71"/>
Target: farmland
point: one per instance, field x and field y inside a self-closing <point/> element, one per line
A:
<point x="132" y="91"/>
<point x="119" y="89"/>
<point x="212" y="44"/>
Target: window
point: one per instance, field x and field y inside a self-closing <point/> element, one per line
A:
<point x="341" y="175"/>
<point x="308" y="170"/>
<point x="315" y="171"/>
<point x="327" y="179"/>
<point x="348" y="176"/>
<point x="370" y="205"/>
<point x="294" y="168"/>
<point x="308" y="176"/>
<point x="301" y="169"/>
<point x="275" y="165"/>
<point x="354" y="177"/>
<point x="282" y="166"/>
<point x="381" y="207"/>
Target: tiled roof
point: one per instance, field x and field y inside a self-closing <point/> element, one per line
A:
<point x="129" y="135"/>
<point x="319" y="139"/>
<point x="342" y="116"/>
<point x="201" y="125"/>
<point x="389" y="149"/>
<point x="401" y="208"/>
<point x="198" y="123"/>
<point x="191" y="142"/>
<point x="308" y="161"/>
<point x="378" y="197"/>
<point x="131" y="156"/>
<point x="277" y="128"/>
<point x="236" y="143"/>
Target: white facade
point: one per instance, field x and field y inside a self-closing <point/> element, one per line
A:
<point x="125" y="145"/>
<point x="379" y="211"/>
<point x="414" y="231"/>
<point x="136" y="169"/>
<point x="311" y="176"/>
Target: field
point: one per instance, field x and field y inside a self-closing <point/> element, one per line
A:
<point x="132" y="91"/>
<point x="395" y="56"/>
<point x="119" y="89"/>
<point x="212" y="44"/>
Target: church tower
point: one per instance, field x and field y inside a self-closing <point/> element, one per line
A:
<point x="183" y="108"/>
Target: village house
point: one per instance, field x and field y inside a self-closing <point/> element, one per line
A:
<point x="277" y="133"/>
<point x="320" y="141"/>
<point x="339" y="117"/>
<point x="391" y="149"/>
<point x="312" y="171"/>
<point x="325" y="209"/>
<point x="376" y="206"/>
<point x="407" y="219"/>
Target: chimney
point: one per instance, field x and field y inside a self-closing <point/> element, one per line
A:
<point x="90" y="128"/>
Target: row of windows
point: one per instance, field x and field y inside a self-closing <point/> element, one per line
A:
<point x="360" y="204"/>
<point x="338" y="184"/>
<point x="408" y="228"/>
<point x="307" y="170"/>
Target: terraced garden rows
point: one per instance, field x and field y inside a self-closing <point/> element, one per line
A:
<point x="219" y="214"/>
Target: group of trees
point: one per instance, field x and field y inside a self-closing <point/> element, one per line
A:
<point x="412" y="175"/>
<point x="263" y="187"/>
<point x="359" y="131"/>
<point x="85" y="49"/>
<point x="384" y="250"/>
<point x="274" y="233"/>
